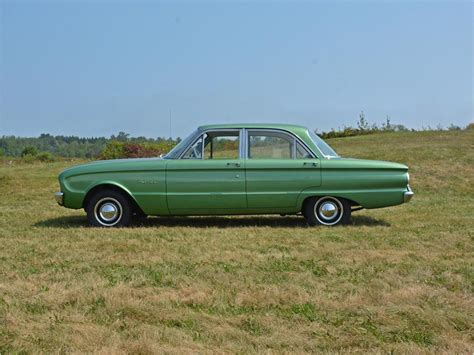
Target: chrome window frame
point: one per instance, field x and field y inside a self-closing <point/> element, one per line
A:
<point x="193" y="135"/>
<point x="328" y="157"/>
<point x="202" y="133"/>
<point x="281" y="131"/>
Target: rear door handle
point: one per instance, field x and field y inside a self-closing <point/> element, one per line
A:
<point x="234" y="164"/>
<point x="311" y="164"/>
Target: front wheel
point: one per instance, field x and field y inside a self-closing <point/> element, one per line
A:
<point x="327" y="210"/>
<point x="109" y="208"/>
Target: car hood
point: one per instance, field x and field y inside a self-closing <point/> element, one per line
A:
<point x="115" y="165"/>
<point x="352" y="163"/>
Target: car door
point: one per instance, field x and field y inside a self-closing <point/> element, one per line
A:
<point x="209" y="178"/>
<point x="278" y="168"/>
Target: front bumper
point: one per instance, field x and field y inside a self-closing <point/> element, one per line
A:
<point x="59" y="196"/>
<point x="408" y="194"/>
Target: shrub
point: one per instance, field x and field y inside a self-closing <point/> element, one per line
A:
<point x="28" y="158"/>
<point x="29" y="151"/>
<point x="363" y="127"/>
<point x="41" y="156"/>
<point x="113" y="150"/>
<point x="45" y="157"/>
<point x="470" y="126"/>
<point x="118" y="150"/>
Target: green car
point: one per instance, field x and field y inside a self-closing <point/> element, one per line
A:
<point x="235" y="169"/>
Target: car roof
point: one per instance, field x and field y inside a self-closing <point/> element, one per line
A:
<point x="288" y="127"/>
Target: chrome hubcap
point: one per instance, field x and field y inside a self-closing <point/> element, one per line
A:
<point x="328" y="210"/>
<point x="108" y="211"/>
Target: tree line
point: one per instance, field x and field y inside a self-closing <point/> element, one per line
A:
<point x="46" y="147"/>
<point x="363" y="127"/>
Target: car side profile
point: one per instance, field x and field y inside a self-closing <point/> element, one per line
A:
<point x="235" y="169"/>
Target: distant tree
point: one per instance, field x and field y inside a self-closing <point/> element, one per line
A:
<point x="399" y="127"/>
<point x="362" y="124"/>
<point x="454" y="128"/>
<point x="387" y="126"/>
<point x="121" y="137"/>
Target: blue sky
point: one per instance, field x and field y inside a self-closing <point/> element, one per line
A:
<point x="96" y="68"/>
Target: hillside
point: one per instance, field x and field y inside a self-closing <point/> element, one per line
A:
<point x="398" y="279"/>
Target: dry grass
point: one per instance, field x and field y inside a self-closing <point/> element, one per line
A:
<point x="399" y="279"/>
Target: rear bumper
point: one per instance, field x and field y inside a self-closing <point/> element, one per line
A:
<point x="59" y="197"/>
<point x="408" y="194"/>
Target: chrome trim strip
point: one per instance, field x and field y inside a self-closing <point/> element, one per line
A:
<point x="203" y="141"/>
<point x="408" y="194"/>
<point x="244" y="145"/>
<point x="59" y="197"/>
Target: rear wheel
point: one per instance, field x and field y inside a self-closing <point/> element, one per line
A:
<point x="109" y="208"/>
<point x="327" y="210"/>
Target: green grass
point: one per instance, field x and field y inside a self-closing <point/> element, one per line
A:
<point x="399" y="279"/>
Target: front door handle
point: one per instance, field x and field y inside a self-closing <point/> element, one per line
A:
<point x="311" y="164"/>
<point x="234" y="164"/>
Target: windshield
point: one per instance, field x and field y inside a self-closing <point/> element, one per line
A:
<point x="323" y="147"/>
<point x="178" y="149"/>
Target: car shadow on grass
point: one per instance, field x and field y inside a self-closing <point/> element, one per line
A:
<point x="213" y="221"/>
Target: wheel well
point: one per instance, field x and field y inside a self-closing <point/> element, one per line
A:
<point x="305" y="201"/>
<point x="115" y="188"/>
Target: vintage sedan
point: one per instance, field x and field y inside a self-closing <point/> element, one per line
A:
<point x="235" y="169"/>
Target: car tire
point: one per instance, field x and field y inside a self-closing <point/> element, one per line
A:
<point x="109" y="208"/>
<point x="327" y="210"/>
<point x="138" y="217"/>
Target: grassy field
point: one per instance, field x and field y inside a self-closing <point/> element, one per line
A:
<point x="398" y="279"/>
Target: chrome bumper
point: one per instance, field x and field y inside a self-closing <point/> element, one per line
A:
<point x="408" y="194"/>
<point x="59" y="196"/>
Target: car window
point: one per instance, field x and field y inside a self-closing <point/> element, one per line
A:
<point x="195" y="150"/>
<point x="302" y="152"/>
<point x="270" y="145"/>
<point x="323" y="146"/>
<point x="222" y="145"/>
<point x="178" y="149"/>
